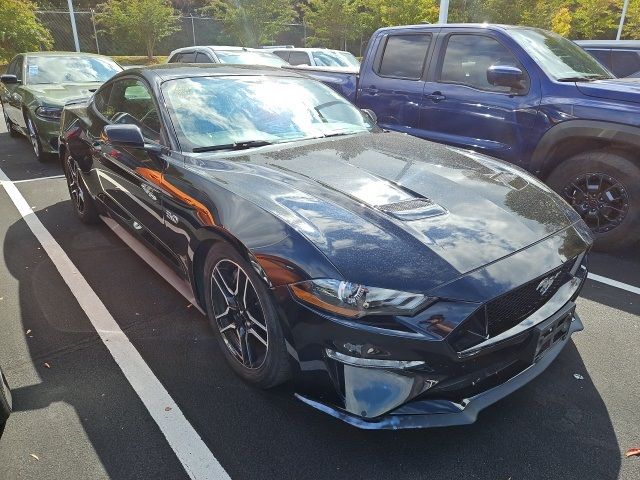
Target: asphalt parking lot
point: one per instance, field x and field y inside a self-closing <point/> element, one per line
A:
<point x="77" y="416"/>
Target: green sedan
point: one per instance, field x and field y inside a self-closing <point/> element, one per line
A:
<point x="36" y="87"/>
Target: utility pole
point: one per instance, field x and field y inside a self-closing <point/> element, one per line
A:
<point x="624" y="14"/>
<point x="73" y="25"/>
<point x="444" y="11"/>
<point x="95" y="32"/>
<point x="193" y="31"/>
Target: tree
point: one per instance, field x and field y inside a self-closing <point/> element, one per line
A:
<point x="20" y="30"/>
<point x="138" y="22"/>
<point x="596" y="18"/>
<point x="561" y="22"/>
<point x="253" y="22"/>
<point x="335" y="22"/>
<point x="405" y="12"/>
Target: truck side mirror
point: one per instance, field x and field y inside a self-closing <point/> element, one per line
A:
<point x="506" y="76"/>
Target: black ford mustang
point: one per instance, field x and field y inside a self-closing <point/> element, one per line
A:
<point x="397" y="282"/>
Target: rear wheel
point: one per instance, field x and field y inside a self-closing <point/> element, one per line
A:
<point x="604" y="188"/>
<point x="244" y="319"/>
<point x="10" y="128"/>
<point x="83" y="204"/>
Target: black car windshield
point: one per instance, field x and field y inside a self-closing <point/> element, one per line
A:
<point x="560" y="58"/>
<point x="244" y="57"/>
<point x="256" y="110"/>
<point x="334" y="58"/>
<point x="71" y="69"/>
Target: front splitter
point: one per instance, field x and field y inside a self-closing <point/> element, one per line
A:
<point x="445" y="413"/>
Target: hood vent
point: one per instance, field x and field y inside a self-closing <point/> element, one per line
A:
<point x="414" y="209"/>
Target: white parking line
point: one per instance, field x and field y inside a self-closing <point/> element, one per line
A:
<point x="196" y="458"/>
<point x="38" y="178"/>
<point x="614" y="283"/>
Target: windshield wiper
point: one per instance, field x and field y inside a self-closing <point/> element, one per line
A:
<point x="233" y="146"/>
<point x="584" y="78"/>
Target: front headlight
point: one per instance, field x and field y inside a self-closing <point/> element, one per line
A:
<point x="49" y="113"/>
<point x="354" y="300"/>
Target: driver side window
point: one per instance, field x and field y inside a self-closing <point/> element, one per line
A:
<point x="131" y="102"/>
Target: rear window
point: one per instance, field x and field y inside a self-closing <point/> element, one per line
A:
<point x="624" y="63"/>
<point x="404" y="56"/>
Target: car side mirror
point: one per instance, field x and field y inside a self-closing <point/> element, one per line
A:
<point x="506" y="76"/>
<point x="9" y="79"/>
<point x="371" y="114"/>
<point x="124" y="135"/>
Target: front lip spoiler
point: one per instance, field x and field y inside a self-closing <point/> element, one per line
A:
<point x="428" y="413"/>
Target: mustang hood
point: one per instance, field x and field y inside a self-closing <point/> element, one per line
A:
<point x="397" y="205"/>
<point x="60" y="94"/>
<point x="621" y="89"/>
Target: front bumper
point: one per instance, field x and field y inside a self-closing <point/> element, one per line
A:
<point x="434" y="412"/>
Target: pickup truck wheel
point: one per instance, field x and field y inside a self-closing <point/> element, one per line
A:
<point x="604" y="188"/>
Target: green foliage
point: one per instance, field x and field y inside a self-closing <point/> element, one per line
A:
<point x="561" y="22"/>
<point x="139" y="22"/>
<point x="20" y="30"/>
<point x="405" y="12"/>
<point x="335" y="22"/>
<point x="253" y="22"/>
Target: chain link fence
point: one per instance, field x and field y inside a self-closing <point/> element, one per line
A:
<point x="193" y="30"/>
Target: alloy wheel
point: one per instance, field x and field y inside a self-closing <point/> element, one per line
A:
<point x="73" y="182"/>
<point x="33" y="137"/>
<point x="239" y="314"/>
<point x="600" y="199"/>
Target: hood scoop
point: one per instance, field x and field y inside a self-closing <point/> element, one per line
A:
<point x="414" y="209"/>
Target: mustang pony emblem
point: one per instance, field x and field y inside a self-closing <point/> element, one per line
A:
<point x="546" y="283"/>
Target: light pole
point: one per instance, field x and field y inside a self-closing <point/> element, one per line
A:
<point x="444" y="11"/>
<point x="73" y="25"/>
<point x="624" y="14"/>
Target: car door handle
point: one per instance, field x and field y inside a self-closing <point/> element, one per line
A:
<point x="436" y="97"/>
<point x="371" y="90"/>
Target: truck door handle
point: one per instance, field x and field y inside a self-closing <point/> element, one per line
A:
<point x="371" y="90"/>
<point x="436" y="97"/>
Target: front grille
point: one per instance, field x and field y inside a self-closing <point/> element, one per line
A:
<point x="513" y="307"/>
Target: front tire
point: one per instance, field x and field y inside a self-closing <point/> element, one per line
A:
<point x="604" y="188"/>
<point x="83" y="204"/>
<point x="34" y="138"/>
<point x="244" y="319"/>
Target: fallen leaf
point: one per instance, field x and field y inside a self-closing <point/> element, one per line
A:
<point x="633" y="452"/>
<point x="28" y="331"/>
<point x="34" y="456"/>
<point x="167" y="409"/>
<point x="46" y="365"/>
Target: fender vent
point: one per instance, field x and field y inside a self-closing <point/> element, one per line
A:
<point x="414" y="209"/>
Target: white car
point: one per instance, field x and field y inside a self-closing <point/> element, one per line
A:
<point x="316" y="57"/>
<point x="225" y="54"/>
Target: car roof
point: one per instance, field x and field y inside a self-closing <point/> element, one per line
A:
<point x="635" y="44"/>
<point x="303" y="49"/>
<point x="217" y="48"/>
<point x="62" y="54"/>
<point x="171" y="71"/>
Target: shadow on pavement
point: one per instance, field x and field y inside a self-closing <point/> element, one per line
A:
<point x="555" y="427"/>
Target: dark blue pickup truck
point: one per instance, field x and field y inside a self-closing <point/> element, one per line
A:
<point x="521" y="94"/>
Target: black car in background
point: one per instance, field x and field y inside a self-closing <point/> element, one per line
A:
<point x="399" y="283"/>
<point x="621" y="57"/>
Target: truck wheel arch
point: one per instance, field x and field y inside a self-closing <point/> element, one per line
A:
<point x="569" y="138"/>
